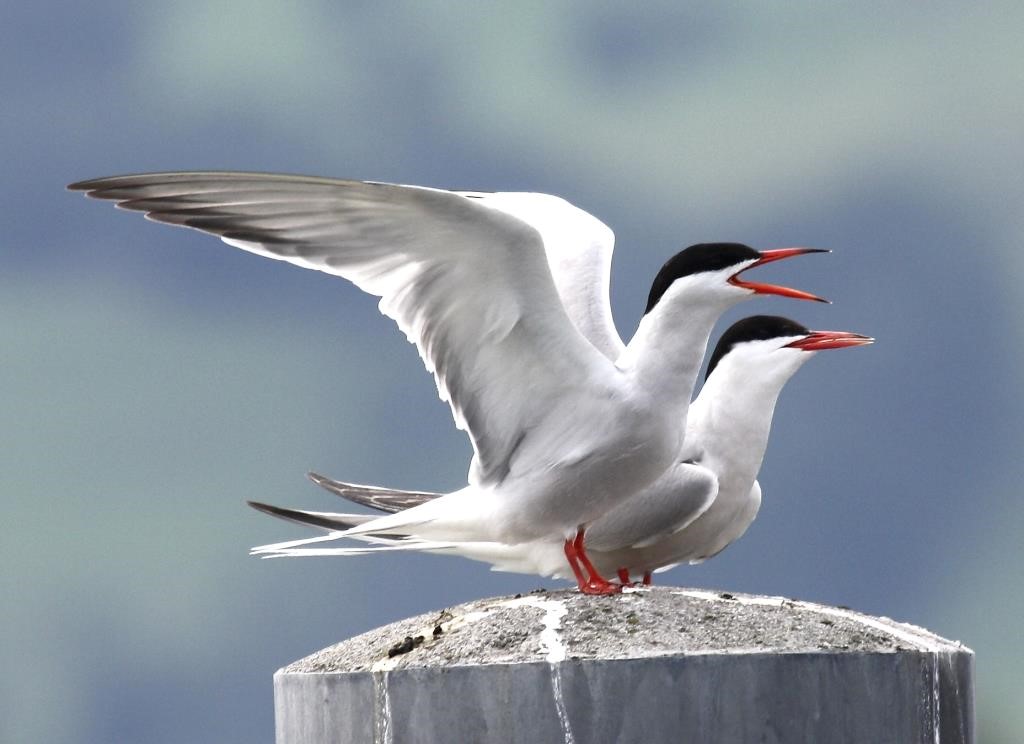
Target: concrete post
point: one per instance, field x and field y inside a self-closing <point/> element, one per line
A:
<point x="651" y="665"/>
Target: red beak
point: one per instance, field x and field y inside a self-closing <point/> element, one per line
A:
<point x="777" y="255"/>
<point x="821" y="340"/>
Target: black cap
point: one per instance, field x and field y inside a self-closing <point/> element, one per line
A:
<point x="754" y="328"/>
<point x="695" y="260"/>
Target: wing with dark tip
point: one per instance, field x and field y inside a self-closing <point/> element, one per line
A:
<point x="383" y="499"/>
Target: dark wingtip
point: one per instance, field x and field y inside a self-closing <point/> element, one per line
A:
<point x="94" y="184"/>
<point x="261" y="507"/>
<point x="92" y="187"/>
<point x="274" y="511"/>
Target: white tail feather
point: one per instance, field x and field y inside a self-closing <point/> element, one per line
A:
<point x="364" y="550"/>
<point x="460" y="515"/>
<point x="260" y="549"/>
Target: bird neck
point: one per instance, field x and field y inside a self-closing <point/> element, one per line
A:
<point x="663" y="358"/>
<point x="732" y="416"/>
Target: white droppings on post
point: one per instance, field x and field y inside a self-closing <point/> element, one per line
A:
<point x="554" y="652"/>
<point x="936" y="701"/>
<point x="550" y="637"/>
<point x="556" y="693"/>
<point x="382" y="730"/>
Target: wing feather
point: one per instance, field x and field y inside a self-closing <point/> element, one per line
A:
<point x="470" y="285"/>
<point x="384" y="499"/>
<point x="579" y="249"/>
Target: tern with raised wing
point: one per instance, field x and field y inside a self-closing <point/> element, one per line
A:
<point x="561" y="432"/>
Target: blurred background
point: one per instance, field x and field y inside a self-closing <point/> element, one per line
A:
<point x="153" y="379"/>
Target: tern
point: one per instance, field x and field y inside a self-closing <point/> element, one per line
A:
<point x="561" y="432"/>
<point x="692" y="512"/>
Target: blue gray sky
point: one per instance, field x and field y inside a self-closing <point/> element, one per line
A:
<point x="154" y="379"/>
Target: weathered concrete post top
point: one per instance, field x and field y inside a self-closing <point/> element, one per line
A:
<point x="652" y="665"/>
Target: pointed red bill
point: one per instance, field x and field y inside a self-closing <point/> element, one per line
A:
<point x="821" y="340"/>
<point x="777" y="254"/>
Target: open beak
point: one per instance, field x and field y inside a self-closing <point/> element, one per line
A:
<point x="777" y="255"/>
<point x="821" y="340"/>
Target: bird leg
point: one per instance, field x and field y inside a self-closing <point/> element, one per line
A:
<point x="624" y="577"/>
<point x="647" y="578"/>
<point x="574" y="564"/>
<point x="596" y="584"/>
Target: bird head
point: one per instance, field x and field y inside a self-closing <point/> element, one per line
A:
<point x="763" y="343"/>
<point x="712" y="272"/>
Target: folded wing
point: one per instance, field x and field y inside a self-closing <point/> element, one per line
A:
<point x="667" y="506"/>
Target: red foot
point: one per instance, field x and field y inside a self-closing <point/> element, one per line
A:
<point x="647" y="578"/>
<point x="578" y="562"/>
<point x="624" y="577"/>
<point x="600" y="587"/>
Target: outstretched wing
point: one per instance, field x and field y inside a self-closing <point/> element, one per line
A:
<point x="468" y="284"/>
<point x="579" y="249"/>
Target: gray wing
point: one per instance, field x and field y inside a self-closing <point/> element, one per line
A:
<point x="670" y="504"/>
<point x="384" y="499"/>
<point x="468" y="284"/>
